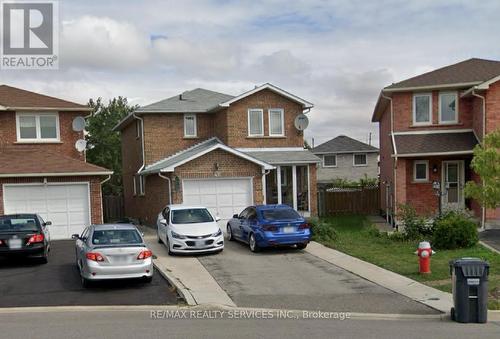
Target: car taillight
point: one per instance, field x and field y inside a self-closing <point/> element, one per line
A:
<point x="94" y="256"/>
<point x="304" y="226"/>
<point x="270" y="228"/>
<point x="1" y="242"/>
<point x="144" y="255"/>
<point x="35" y="239"/>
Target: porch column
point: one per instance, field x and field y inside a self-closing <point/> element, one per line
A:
<point x="294" y="186"/>
<point x="278" y="177"/>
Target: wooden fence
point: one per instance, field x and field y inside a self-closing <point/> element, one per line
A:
<point x="113" y="208"/>
<point x="349" y="200"/>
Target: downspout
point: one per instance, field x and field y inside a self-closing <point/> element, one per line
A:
<point x="142" y="141"/>
<point x="394" y="190"/>
<point x="102" y="182"/>
<point x="483" y="209"/>
<point x="169" y="187"/>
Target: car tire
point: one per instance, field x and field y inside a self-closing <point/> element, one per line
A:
<point x="301" y="246"/>
<point x="168" y="247"/>
<point x="148" y="280"/>
<point x="230" y="236"/>
<point x="252" y="243"/>
<point x="85" y="282"/>
<point x="158" y="237"/>
<point x="45" y="258"/>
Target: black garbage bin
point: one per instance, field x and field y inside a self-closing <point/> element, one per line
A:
<point x="470" y="290"/>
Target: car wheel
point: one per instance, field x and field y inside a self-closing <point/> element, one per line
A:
<point x="85" y="282"/>
<point x="45" y="258"/>
<point x="229" y="233"/>
<point x="168" y="247"/>
<point x="148" y="279"/>
<point x="301" y="246"/>
<point x="158" y="236"/>
<point x="252" y="242"/>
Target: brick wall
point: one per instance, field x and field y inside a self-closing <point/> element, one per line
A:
<point x="493" y="107"/>
<point x="403" y="113"/>
<point x="314" y="189"/>
<point x="237" y="121"/>
<point x="68" y="137"/>
<point x="346" y="170"/>
<point x="386" y="161"/>
<point x="95" y="191"/>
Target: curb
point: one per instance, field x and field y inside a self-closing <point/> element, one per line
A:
<point x="489" y="247"/>
<point x="181" y="289"/>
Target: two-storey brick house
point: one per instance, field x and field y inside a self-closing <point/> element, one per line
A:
<point x="40" y="169"/>
<point x="429" y="125"/>
<point x="220" y="151"/>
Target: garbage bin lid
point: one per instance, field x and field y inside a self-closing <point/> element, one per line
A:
<point x="471" y="267"/>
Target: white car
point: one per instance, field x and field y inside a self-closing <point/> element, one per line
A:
<point x="189" y="229"/>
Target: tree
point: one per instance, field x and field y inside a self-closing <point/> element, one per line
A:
<point x="105" y="144"/>
<point x="486" y="163"/>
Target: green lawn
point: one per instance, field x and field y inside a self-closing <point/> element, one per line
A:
<point x="358" y="238"/>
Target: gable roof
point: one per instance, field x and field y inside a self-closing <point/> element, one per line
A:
<point x="12" y="98"/>
<point x="304" y="103"/>
<point x="198" y="100"/>
<point x="16" y="162"/>
<point x="169" y="163"/>
<point x="344" y="144"/>
<point x="462" y="74"/>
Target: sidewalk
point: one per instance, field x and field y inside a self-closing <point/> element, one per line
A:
<point x="187" y="274"/>
<point x="429" y="296"/>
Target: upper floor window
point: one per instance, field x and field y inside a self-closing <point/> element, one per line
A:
<point x="276" y="122"/>
<point x="37" y="127"/>
<point x="255" y="122"/>
<point x="359" y="159"/>
<point x="330" y="160"/>
<point x="422" y="109"/>
<point x="448" y="107"/>
<point x="190" y="125"/>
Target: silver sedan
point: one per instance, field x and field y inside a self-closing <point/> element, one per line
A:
<point x="112" y="252"/>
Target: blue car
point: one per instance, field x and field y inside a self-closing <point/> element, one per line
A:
<point x="269" y="225"/>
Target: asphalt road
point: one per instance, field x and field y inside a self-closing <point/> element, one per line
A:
<point x="293" y="279"/>
<point x="139" y="324"/>
<point x="491" y="237"/>
<point x="27" y="283"/>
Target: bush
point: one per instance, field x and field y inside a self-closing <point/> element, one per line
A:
<point x="322" y="231"/>
<point x="454" y="230"/>
<point x="415" y="227"/>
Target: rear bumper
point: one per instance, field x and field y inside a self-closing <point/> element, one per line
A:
<point x="283" y="240"/>
<point x="95" y="271"/>
<point x="35" y="251"/>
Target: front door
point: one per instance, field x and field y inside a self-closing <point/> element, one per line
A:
<point x="453" y="185"/>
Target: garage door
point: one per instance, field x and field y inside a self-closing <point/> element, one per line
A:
<point x="223" y="197"/>
<point x="66" y="205"/>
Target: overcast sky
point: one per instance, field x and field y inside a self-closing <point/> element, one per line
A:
<point x="336" y="54"/>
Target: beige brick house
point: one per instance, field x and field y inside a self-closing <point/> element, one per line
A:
<point x="221" y="151"/>
<point x="40" y="169"/>
<point x="429" y="126"/>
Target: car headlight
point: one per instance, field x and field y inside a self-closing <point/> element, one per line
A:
<point x="218" y="233"/>
<point x="177" y="235"/>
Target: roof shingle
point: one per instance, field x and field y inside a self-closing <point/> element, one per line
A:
<point x="12" y="97"/>
<point x="343" y="144"/>
<point x="408" y="144"/>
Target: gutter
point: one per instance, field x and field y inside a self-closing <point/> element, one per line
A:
<point x="169" y="187"/>
<point x="483" y="208"/>
<point x="62" y="174"/>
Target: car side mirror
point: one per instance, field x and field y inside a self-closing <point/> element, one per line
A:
<point x="75" y="236"/>
<point x="217" y="218"/>
<point x="47" y="223"/>
<point x="236" y="216"/>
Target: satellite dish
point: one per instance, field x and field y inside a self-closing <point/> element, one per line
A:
<point x="81" y="145"/>
<point x="79" y="124"/>
<point x="301" y="122"/>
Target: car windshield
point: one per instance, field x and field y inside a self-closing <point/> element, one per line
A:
<point x="191" y="216"/>
<point x="18" y="224"/>
<point x="280" y="214"/>
<point x="116" y="237"/>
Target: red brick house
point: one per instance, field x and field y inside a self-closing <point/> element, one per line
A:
<point x="429" y="125"/>
<point x="221" y="151"/>
<point x="40" y="169"/>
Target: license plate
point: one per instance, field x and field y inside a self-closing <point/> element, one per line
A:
<point x="120" y="259"/>
<point x="288" y="229"/>
<point x="15" y="244"/>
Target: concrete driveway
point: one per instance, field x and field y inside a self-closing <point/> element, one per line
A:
<point x="292" y="279"/>
<point x="27" y="283"/>
<point x="491" y="237"/>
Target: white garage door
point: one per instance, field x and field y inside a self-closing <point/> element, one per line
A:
<point x="223" y="197"/>
<point x="65" y="205"/>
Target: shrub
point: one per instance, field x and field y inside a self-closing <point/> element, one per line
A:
<point x="454" y="230"/>
<point x="322" y="231"/>
<point x="415" y="226"/>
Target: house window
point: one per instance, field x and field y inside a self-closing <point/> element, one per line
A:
<point x="190" y="125"/>
<point x="276" y="122"/>
<point x="448" y="108"/>
<point x="422" y="109"/>
<point x="359" y="159"/>
<point x="37" y="127"/>
<point x="255" y="122"/>
<point x="330" y="160"/>
<point x="421" y="170"/>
